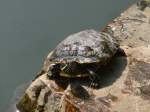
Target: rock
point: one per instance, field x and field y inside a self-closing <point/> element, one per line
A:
<point x="44" y="95"/>
<point x="142" y="4"/>
<point x="131" y="28"/>
<point x="125" y="81"/>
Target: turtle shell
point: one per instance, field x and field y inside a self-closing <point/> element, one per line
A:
<point x="88" y="46"/>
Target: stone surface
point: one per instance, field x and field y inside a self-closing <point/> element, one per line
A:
<point x="125" y="81"/>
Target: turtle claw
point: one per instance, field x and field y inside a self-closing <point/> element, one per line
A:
<point x="95" y="82"/>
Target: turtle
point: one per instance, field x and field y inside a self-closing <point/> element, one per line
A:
<point x="82" y="54"/>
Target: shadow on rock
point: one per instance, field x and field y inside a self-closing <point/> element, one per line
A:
<point x="80" y="92"/>
<point x="110" y="73"/>
<point x="106" y="75"/>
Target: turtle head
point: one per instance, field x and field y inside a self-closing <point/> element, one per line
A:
<point x="54" y="71"/>
<point x="70" y="67"/>
<point x="59" y="69"/>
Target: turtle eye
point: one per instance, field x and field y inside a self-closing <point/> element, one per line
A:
<point x="54" y="67"/>
<point x="54" y="70"/>
<point x="51" y="67"/>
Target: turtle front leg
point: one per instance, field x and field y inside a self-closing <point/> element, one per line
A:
<point x="95" y="81"/>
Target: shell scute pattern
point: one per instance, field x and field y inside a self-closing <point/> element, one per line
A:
<point x="87" y="46"/>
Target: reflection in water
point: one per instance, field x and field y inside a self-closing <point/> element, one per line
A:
<point x="16" y="96"/>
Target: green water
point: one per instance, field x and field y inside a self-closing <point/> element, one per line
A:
<point x="29" y="29"/>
